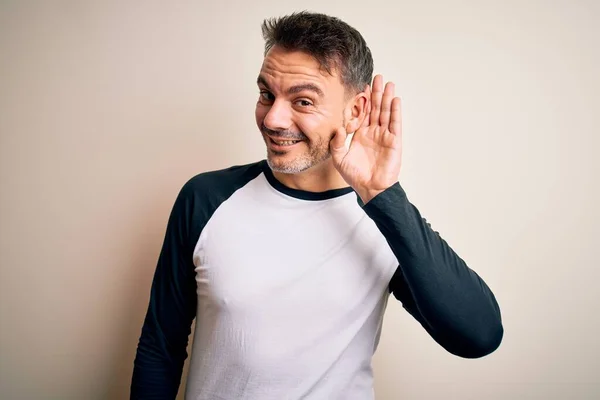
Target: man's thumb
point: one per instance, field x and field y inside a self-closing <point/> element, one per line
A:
<point x="338" y="145"/>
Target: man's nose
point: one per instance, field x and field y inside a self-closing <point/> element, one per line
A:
<point x="279" y="116"/>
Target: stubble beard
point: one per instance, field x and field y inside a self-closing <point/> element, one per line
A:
<point x="317" y="152"/>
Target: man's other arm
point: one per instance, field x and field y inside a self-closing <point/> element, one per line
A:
<point x="162" y="348"/>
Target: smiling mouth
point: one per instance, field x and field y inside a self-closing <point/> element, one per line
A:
<point x="283" y="143"/>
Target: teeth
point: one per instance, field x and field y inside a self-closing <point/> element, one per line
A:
<point x="286" y="142"/>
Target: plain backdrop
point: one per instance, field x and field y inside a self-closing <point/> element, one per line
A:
<point x="107" y="108"/>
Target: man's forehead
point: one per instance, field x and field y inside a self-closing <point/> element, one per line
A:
<point x="286" y="65"/>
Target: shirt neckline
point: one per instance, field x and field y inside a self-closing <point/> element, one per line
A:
<point x="301" y="194"/>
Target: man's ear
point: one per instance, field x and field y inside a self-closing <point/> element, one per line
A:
<point x="356" y="111"/>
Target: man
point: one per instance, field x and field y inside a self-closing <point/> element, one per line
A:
<point x="287" y="264"/>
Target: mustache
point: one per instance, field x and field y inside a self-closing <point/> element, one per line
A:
<point x="284" y="134"/>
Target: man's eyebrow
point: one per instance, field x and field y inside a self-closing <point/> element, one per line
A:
<point x="294" y="89"/>
<point x="305" y="86"/>
<point x="263" y="81"/>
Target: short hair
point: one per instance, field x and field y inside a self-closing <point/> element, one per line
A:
<point x="331" y="41"/>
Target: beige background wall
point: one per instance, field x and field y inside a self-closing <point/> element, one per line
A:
<point x="107" y="108"/>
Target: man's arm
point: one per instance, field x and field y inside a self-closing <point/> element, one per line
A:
<point x="452" y="303"/>
<point x="162" y="347"/>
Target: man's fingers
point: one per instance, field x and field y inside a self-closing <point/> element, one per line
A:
<point x="366" y="121"/>
<point x="376" y="97"/>
<point x="396" y="117"/>
<point x="386" y="105"/>
<point x="337" y="145"/>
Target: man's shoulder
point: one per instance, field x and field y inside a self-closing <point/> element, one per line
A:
<point x="202" y="194"/>
<point x="223" y="181"/>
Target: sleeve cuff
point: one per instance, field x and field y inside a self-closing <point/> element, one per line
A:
<point x="390" y="196"/>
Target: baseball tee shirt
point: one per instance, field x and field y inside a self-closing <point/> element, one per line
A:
<point x="289" y="289"/>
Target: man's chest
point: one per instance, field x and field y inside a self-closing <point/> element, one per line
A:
<point x="304" y="259"/>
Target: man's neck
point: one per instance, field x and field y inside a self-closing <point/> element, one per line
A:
<point x="320" y="178"/>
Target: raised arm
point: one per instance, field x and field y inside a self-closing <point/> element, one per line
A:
<point x="449" y="299"/>
<point x="452" y="303"/>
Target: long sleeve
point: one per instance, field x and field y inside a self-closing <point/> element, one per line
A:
<point x="452" y="303"/>
<point x="162" y="348"/>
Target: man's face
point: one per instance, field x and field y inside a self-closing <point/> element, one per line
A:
<point x="300" y="107"/>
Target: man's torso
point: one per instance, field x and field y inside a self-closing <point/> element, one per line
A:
<point x="292" y="288"/>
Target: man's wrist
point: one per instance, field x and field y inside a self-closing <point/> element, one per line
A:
<point x="367" y="195"/>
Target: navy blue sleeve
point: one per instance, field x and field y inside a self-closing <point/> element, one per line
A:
<point x="452" y="303"/>
<point x="162" y="347"/>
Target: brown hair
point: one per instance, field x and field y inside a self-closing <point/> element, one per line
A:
<point x="331" y="41"/>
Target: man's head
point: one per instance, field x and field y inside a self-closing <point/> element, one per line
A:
<point x="312" y="82"/>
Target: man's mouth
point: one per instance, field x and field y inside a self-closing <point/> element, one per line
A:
<point x="284" y="142"/>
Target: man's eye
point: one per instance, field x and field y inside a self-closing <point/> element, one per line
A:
<point x="267" y="96"/>
<point x="304" y="103"/>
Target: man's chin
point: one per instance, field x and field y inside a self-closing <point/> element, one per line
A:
<point x="285" y="167"/>
<point x="287" y="164"/>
